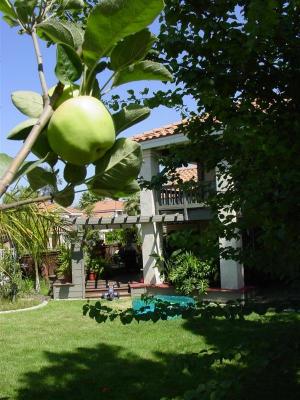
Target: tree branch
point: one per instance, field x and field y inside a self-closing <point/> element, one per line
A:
<point x="25" y="202"/>
<point x="11" y="171"/>
<point x="39" y="59"/>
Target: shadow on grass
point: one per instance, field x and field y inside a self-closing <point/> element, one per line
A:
<point x="250" y="359"/>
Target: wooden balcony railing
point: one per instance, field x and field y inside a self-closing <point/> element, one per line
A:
<point x="174" y="197"/>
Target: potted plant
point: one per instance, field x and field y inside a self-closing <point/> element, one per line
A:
<point x="96" y="267"/>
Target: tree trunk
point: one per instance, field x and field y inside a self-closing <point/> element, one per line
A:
<point x="37" y="278"/>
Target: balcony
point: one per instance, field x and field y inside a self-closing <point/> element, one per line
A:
<point x="171" y="198"/>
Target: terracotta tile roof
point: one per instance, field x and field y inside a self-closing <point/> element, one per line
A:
<point x="168" y="130"/>
<point x="156" y="133"/>
<point x="107" y="207"/>
<point x="186" y="174"/>
<point x="49" y="206"/>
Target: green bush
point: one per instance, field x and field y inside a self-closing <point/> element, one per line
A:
<point x="203" y="243"/>
<point x="26" y="286"/>
<point x="45" y="287"/>
<point x="64" y="269"/>
<point x="97" y="265"/>
<point x="10" y="276"/>
<point x="188" y="273"/>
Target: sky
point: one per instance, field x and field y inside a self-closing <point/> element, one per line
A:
<point x="18" y="71"/>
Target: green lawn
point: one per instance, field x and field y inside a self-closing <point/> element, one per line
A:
<point x="6" y="305"/>
<point x="56" y="353"/>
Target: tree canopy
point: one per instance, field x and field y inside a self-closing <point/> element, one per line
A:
<point x="239" y="61"/>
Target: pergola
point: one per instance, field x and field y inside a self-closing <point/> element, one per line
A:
<point x="76" y="289"/>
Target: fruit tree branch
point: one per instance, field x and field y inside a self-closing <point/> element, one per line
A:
<point x="39" y="59"/>
<point x="25" y="202"/>
<point x="11" y="171"/>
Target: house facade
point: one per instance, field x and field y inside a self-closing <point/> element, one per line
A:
<point x="169" y="208"/>
<point x="171" y="199"/>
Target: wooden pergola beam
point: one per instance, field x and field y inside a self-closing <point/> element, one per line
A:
<point x="127" y="220"/>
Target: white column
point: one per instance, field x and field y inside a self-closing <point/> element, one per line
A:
<point x="151" y="232"/>
<point x="231" y="271"/>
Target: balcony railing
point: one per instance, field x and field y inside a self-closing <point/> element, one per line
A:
<point x="175" y="197"/>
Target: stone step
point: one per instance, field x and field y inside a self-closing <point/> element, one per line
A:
<point x="103" y="290"/>
<point x="104" y="285"/>
<point x="95" y="293"/>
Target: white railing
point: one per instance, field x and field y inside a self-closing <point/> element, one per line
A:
<point x="176" y="196"/>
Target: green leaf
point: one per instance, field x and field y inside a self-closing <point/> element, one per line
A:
<point x="61" y="32"/>
<point x="10" y="21"/>
<point x="7" y="9"/>
<point x="112" y="20"/>
<point x="21" y="131"/>
<point x="29" y="103"/>
<point x="25" y="9"/>
<point x="27" y="167"/>
<point x="129" y="116"/>
<point x="128" y="190"/>
<point x="41" y="146"/>
<point x="74" y="174"/>
<point x="66" y="197"/>
<point x="119" y="166"/>
<point x="73" y="4"/>
<point x="39" y="177"/>
<point x="142" y="70"/>
<point x="116" y="193"/>
<point x="131" y="49"/>
<point x="5" y="161"/>
<point x="68" y="64"/>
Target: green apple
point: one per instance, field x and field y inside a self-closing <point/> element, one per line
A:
<point x="69" y="92"/>
<point x="81" y="130"/>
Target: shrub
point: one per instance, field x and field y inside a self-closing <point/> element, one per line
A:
<point x="64" y="269"/>
<point x="97" y="265"/>
<point x="188" y="273"/>
<point x="26" y="286"/>
<point x="10" y="276"/>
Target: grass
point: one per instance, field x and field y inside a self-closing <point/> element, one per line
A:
<point x="56" y="353"/>
<point x="24" y="302"/>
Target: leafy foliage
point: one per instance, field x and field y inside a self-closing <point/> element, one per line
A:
<point x="59" y="31"/>
<point x="68" y="67"/>
<point x="142" y="70"/>
<point x="132" y="205"/>
<point x="242" y="75"/>
<point x="117" y="169"/>
<point x="88" y="199"/>
<point x="64" y="269"/>
<point x="131" y="49"/>
<point x="90" y="37"/>
<point x="28" y="228"/>
<point x="29" y="103"/>
<point x="129" y="116"/>
<point x="10" y="275"/>
<point x="188" y="273"/>
<point x="202" y="243"/>
<point x="112" y="20"/>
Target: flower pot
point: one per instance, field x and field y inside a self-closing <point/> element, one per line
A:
<point x="92" y="276"/>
